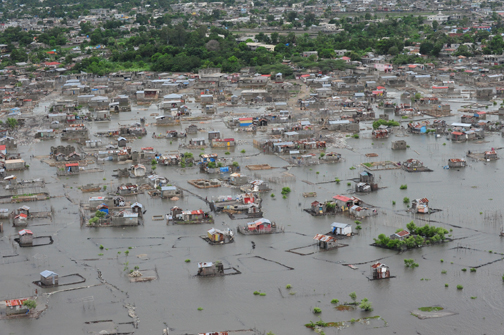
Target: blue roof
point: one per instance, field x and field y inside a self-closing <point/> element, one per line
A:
<point x="47" y="274"/>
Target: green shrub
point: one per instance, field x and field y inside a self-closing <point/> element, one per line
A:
<point x="101" y="247"/>
<point x="31" y="304"/>
<point x="262" y="294"/>
<point x="334" y="301"/>
<point x="288" y="286"/>
<point x="227" y="153"/>
<point x="317" y="310"/>
<point x="286" y="190"/>
<point x="243" y="151"/>
<point x="460" y="287"/>
<point x="200" y="308"/>
<point x="443" y="272"/>
<point x="337" y="180"/>
<point x="358" y="227"/>
<point x="349" y="184"/>
<point x="403" y="187"/>
<point x="187" y="261"/>
<point x="257" y="292"/>
<point x="473" y="270"/>
<point x="355" y="135"/>
<point x="445" y="285"/>
<point x="464" y="269"/>
<point x="272" y="195"/>
<point x="393" y="202"/>
<point x="442" y="260"/>
<point x="365" y="305"/>
<point x="406" y="200"/>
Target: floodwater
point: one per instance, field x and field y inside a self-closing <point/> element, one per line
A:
<point x="470" y="200"/>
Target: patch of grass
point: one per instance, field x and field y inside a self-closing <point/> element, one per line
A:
<point x="288" y="286"/>
<point x="200" y="308"/>
<point x="474" y="298"/>
<point x="262" y="294"/>
<point x="187" y="261"/>
<point x="473" y="270"/>
<point x="460" y="287"/>
<point x="443" y="272"/>
<point x="292" y="293"/>
<point x="334" y="301"/>
<point x="352" y="168"/>
<point x="430" y="309"/>
<point x="355" y="135"/>
<point x="227" y="153"/>
<point x="243" y="151"/>
<point x="100" y="254"/>
<point x="317" y="310"/>
<point x="257" y="292"/>
<point x="464" y="269"/>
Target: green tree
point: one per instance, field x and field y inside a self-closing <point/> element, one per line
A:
<point x="12" y="122"/>
<point x="435" y="25"/>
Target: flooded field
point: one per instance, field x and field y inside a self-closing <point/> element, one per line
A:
<point x="469" y="199"/>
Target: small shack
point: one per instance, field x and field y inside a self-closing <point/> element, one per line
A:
<point x="210" y="269"/>
<point x="326" y="242"/>
<point x="49" y="278"/>
<point x="25" y="237"/>
<point x="457" y="163"/>
<point x="420" y="206"/>
<point x="338" y="228"/>
<point x="399" y="145"/>
<point x="380" y="271"/>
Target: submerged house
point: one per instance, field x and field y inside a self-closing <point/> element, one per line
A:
<point x="414" y="165"/>
<point x="171" y="191"/>
<point x="179" y="216"/>
<point x="338" y="228"/>
<point x="326" y="242"/>
<point x="210" y="269"/>
<point x="400" y="235"/>
<point x="25" y="237"/>
<point x="49" y="278"/>
<point x="217" y="236"/>
<point x="244" y="203"/>
<point x="260" y="226"/>
<point x="399" y="145"/>
<point x="380" y="271"/>
<point x="457" y="163"/>
<point x="490" y="155"/>
<point x="420" y="206"/>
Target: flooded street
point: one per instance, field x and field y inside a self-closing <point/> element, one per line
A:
<point x="469" y="199"/>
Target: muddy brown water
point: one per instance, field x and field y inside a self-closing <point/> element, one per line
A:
<point x="228" y="302"/>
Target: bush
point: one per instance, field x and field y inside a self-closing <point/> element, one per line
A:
<point x="445" y="285"/>
<point x="353" y="296"/>
<point x="358" y="227"/>
<point x="236" y="164"/>
<point x="403" y="187"/>
<point x="317" y="310"/>
<point x="101" y="247"/>
<point x="31" y="304"/>
<point x="272" y="195"/>
<point x="442" y="261"/>
<point x="464" y="269"/>
<point x="393" y="202"/>
<point x="243" y="151"/>
<point x="473" y="270"/>
<point x="410" y="263"/>
<point x="288" y="286"/>
<point x="227" y="153"/>
<point x="365" y="305"/>
<point x="355" y="135"/>
<point x="443" y="272"/>
<point x="337" y="180"/>
<point x="257" y="292"/>
<point x="100" y="214"/>
<point x="200" y="308"/>
<point x="460" y="287"/>
<point x="262" y="294"/>
<point x="187" y="261"/>
<point x="286" y="190"/>
<point x="406" y="200"/>
<point x="334" y="301"/>
<point x="349" y="184"/>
